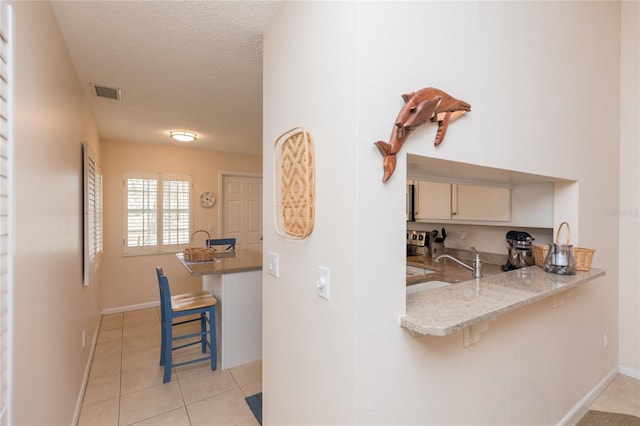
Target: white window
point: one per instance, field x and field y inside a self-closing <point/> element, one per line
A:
<point x="157" y="213"/>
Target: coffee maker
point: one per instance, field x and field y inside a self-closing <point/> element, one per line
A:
<point x="520" y="245"/>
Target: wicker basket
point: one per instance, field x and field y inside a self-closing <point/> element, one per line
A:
<point x="540" y="252"/>
<point x="198" y="254"/>
<point x="583" y="256"/>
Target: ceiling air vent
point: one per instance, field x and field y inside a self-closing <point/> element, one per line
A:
<point x="106" y="92"/>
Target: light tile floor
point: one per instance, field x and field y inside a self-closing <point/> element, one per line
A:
<point x="621" y="396"/>
<point x="125" y="382"/>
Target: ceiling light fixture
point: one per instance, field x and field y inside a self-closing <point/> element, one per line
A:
<point x="183" y="136"/>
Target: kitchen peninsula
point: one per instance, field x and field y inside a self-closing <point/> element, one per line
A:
<point x="469" y="305"/>
<point x="235" y="279"/>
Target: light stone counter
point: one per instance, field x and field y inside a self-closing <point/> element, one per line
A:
<point x="241" y="260"/>
<point x="468" y="304"/>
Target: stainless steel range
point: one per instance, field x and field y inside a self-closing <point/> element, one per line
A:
<point x="417" y="244"/>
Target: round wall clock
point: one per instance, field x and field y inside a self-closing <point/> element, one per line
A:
<point x="207" y="199"/>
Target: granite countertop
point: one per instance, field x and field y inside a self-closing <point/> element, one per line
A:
<point x="442" y="311"/>
<point x="240" y="260"/>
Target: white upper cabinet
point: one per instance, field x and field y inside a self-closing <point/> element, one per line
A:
<point x="488" y="203"/>
<point x="432" y="200"/>
<point x="456" y="202"/>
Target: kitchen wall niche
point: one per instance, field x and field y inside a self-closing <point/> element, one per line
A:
<point x="453" y="192"/>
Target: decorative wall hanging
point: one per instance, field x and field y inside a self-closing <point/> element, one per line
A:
<point x="294" y="184"/>
<point x="207" y="199"/>
<point x="419" y="107"/>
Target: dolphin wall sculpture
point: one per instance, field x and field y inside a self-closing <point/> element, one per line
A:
<point x="419" y="107"/>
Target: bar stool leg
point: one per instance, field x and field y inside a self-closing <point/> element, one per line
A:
<point x="203" y="331"/>
<point x="167" y="347"/>
<point x="212" y="338"/>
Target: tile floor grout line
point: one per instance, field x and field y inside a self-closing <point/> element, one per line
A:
<point x="184" y="402"/>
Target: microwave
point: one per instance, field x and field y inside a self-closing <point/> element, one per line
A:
<point x="410" y="200"/>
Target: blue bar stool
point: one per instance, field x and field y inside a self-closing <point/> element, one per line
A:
<point x="191" y="294"/>
<point x="183" y="305"/>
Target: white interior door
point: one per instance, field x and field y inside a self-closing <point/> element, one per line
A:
<point x="242" y="210"/>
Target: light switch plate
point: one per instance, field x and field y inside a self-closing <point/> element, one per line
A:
<point x="323" y="282"/>
<point x="272" y="263"/>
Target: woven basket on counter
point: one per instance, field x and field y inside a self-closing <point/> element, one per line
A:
<point x="196" y="254"/>
<point x="540" y="252"/>
<point x="583" y="256"/>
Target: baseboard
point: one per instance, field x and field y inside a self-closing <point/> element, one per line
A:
<point x="130" y="308"/>
<point x="87" y="370"/>
<point x="582" y="407"/>
<point x="627" y="371"/>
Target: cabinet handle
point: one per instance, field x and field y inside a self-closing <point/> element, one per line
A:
<point x="454" y="213"/>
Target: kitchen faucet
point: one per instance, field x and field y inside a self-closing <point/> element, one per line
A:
<point x="476" y="269"/>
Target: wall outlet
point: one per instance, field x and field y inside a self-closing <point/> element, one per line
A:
<point x="463" y="235"/>
<point x="605" y="340"/>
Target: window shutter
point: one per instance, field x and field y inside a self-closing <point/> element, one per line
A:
<point x="98" y="217"/>
<point x="92" y="213"/>
<point x="176" y="214"/>
<point x="141" y="213"/>
<point x="157" y="213"/>
<point x="6" y="195"/>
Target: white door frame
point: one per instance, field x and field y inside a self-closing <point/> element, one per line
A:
<point x="221" y="175"/>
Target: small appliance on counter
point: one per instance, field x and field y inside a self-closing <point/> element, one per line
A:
<point x="417" y="243"/>
<point x="520" y="245"/>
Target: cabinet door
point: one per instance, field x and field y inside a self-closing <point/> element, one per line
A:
<point x="432" y="200"/>
<point x="472" y="202"/>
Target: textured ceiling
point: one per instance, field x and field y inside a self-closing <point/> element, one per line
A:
<point x="180" y="65"/>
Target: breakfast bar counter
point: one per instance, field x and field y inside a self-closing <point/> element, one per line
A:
<point x="225" y="262"/>
<point x="234" y="278"/>
<point x="468" y="305"/>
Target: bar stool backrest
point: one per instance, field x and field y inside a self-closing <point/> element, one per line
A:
<point x="229" y="242"/>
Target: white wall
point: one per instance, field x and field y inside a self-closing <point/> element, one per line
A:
<point x="537" y="106"/>
<point x="629" y="212"/>
<point x="51" y="307"/>
<point x="309" y="351"/>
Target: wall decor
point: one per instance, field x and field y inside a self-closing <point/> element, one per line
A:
<point x="419" y="107"/>
<point x="207" y="199"/>
<point x="294" y="184"/>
